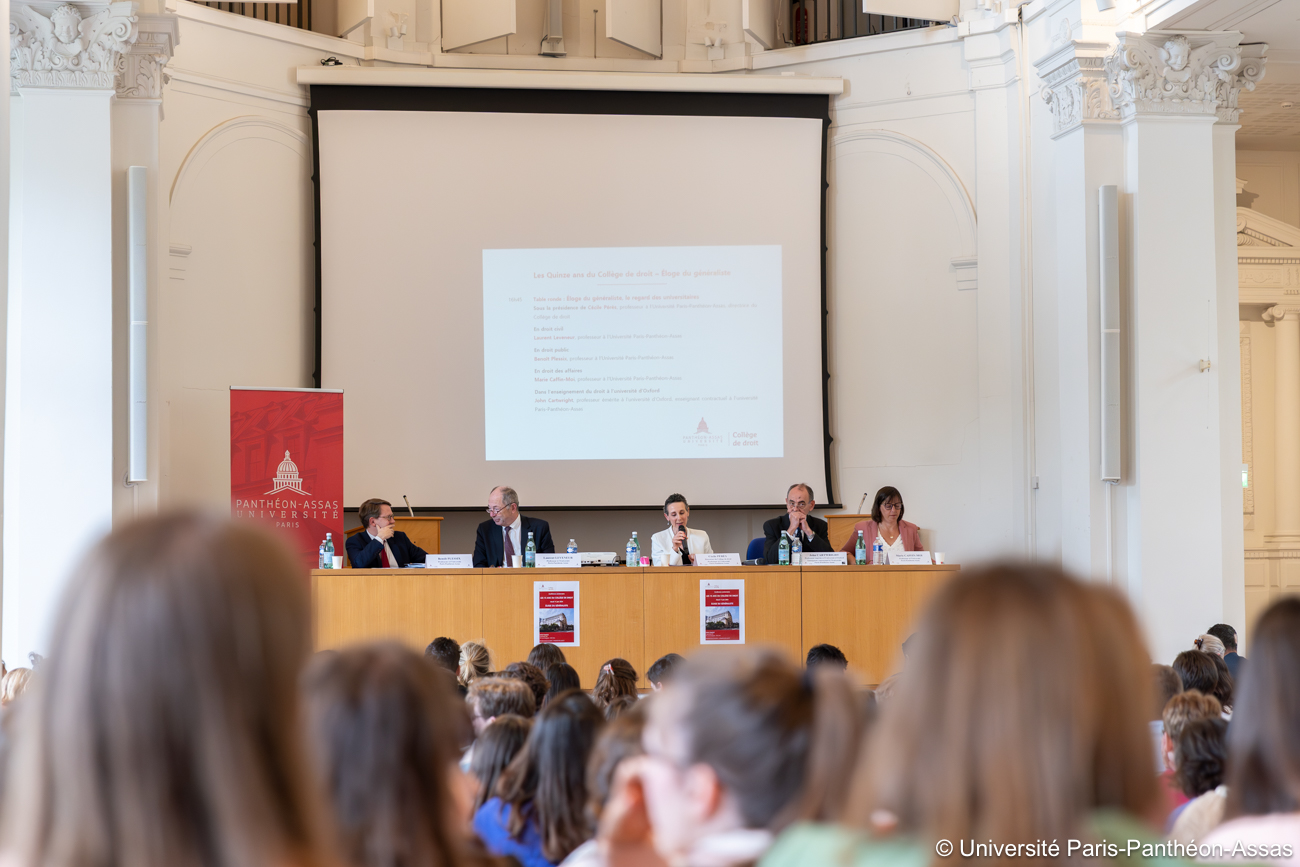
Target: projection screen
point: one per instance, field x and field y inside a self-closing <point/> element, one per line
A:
<point x="596" y="308"/>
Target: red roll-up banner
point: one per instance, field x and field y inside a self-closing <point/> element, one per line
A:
<point x="286" y="464"/>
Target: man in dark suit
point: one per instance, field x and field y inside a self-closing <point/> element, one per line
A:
<point x="1228" y="636"/>
<point x="506" y="532"/>
<point x="380" y="545"/>
<point x="798" y="518"/>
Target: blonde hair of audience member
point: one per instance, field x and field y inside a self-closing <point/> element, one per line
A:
<point x="495" y="749"/>
<point x="475" y="662"/>
<point x="1185" y="707"/>
<point x="165" y="727"/>
<point x="1025" y="749"/>
<point x="744" y="742"/>
<point x="617" y="677"/>
<point x="387" y="732"/>
<point x="1210" y="644"/>
<point x="13" y="685"/>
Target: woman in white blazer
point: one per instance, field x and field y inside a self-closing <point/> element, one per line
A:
<point x="668" y="546"/>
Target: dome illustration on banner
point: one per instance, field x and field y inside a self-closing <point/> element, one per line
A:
<point x="286" y="478"/>
<point x="702" y="427"/>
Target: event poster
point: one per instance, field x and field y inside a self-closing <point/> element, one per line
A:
<point x="556" y="613"/>
<point x="722" y="612"/>
<point x="286" y="464"/>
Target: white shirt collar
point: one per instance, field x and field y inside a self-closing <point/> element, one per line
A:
<point x="518" y="524"/>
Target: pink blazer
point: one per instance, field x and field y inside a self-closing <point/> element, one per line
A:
<point x="870" y="529"/>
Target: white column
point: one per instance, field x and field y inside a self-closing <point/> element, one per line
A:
<point x="1170" y="88"/>
<point x="1286" y="412"/>
<point x="59" y="478"/>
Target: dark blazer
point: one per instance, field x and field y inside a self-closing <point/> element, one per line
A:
<point x="1234" y="663"/>
<point x="490" y="547"/>
<point x="772" y="530"/>
<point x="364" y="552"/>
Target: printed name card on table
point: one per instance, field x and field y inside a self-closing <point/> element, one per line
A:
<point x="449" y="561"/>
<point x="717" y="559"/>
<point x="825" y="558"/>
<point x="911" y="558"/>
<point x="559" y="561"/>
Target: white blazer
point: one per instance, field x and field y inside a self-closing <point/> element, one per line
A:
<point x="661" y="543"/>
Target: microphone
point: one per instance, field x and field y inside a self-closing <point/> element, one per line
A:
<point x="862" y="503"/>
<point x="412" y="511"/>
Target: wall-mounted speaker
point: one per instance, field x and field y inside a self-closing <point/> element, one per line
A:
<point x="1108" y="219"/>
<point x="137" y="191"/>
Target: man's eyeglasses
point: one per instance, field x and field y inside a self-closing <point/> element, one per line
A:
<point x="797" y="504"/>
<point x="496" y="510"/>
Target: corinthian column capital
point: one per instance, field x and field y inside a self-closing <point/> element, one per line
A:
<point x="1183" y="73"/>
<point x="75" y="46"/>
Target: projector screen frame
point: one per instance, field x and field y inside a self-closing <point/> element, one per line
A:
<point x="353" y="97"/>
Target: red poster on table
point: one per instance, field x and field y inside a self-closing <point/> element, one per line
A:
<point x="286" y="464"/>
<point x="557" y="613"/>
<point x="722" y="612"/>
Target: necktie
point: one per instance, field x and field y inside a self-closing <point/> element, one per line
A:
<point x="383" y="557"/>
<point x="510" y="549"/>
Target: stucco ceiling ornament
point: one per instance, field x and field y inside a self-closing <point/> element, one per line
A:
<point x="1172" y="73"/>
<point x="68" y="49"/>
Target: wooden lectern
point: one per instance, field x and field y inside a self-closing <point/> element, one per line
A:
<point x="840" y="527"/>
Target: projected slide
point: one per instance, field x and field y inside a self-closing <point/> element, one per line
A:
<point x="632" y="353"/>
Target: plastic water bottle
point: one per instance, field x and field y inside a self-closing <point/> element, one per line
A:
<point x="320" y="556"/>
<point x="636" y="550"/>
<point x="860" y="552"/>
<point x="783" y="558"/>
<point x="329" y="551"/>
<point x="631" y="554"/>
<point x="530" y="553"/>
<point x="877" y="554"/>
<point x="573" y="547"/>
<point x="796" y="552"/>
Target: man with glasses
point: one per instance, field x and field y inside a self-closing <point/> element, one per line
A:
<point x="505" y="533"/>
<point x="381" y="546"/>
<point x="797" y="519"/>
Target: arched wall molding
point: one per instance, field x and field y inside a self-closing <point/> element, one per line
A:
<point x="230" y="132"/>
<point x="944" y="177"/>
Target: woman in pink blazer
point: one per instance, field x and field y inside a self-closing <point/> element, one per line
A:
<point x="886" y="523"/>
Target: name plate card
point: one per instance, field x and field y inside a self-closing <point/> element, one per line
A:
<point x="717" y="559"/>
<point x="911" y="558"/>
<point x="825" y="558"/>
<point x="449" y="561"/>
<point x="559" y="561"/>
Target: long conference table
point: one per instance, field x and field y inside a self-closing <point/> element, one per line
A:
<point x="638" y="613"/>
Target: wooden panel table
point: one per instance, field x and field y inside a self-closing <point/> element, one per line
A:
<point x="672" y="608"/>
<point x="412" y="605"/>
<point x="611" y="611"/>
<point x="867" y="611"/>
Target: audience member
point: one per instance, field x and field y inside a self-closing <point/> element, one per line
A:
<point x="1263" y="808"/>
<point x="14" y="684"/>
<point x="1188" y="706"/>
<point x="619" y="706"/>
<point x="619" y="740"/>
<point x="537" y="815"/>
<point x="562" y="677"/>
<point x="495" y="750"/>
<point x="532" y="676"/>
<point x="617" y="677"/>
<point x="888" y="688"/>
<point x="743" y="745"/>
<point x="475" y="662"/>
<point x="1209" y="644"/>
<point x="491" y="697"/>
<point x="387" y="728"/>
<point x="165" y="728"/>
<point x="1228" y="636"/>
<point x="1197" y="671"/>
<point x="1051" y="743"/>
<point x="827" y="654"/>
<point x="661" y="673"/>
<point x="545" y="655"/>
<point x="1199" y="757"/>
<point x="1224" y="686"/>
<point x="1167" y="685"/>
<point x="445" y="652"/>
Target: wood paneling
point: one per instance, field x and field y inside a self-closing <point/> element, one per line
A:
<point x="672" y="607"/>
<point x="424" y="532"/>
<point x="840" y="527"/>
<point x="612" y="614"/>
<point x="867" y="611"/>
<point x="413" y="605"/>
